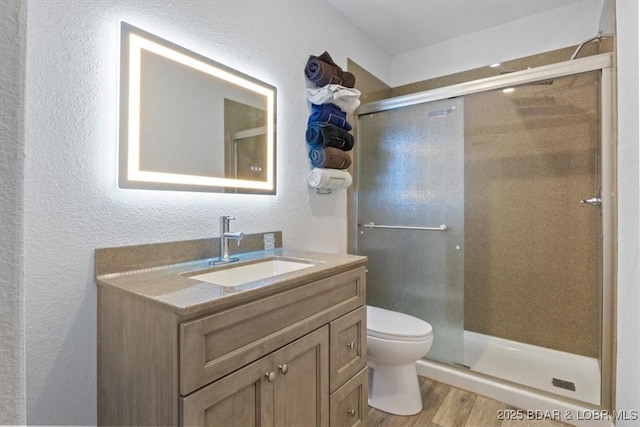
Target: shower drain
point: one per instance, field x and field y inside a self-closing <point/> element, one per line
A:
<point x="567" y="385"/>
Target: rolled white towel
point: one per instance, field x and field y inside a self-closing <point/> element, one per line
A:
<point x="329" y="178"/>
<point x="345" y="98"/>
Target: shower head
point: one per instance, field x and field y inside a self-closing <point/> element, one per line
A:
<point x="598" y="38"/>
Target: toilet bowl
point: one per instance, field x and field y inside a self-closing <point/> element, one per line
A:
<point x="395" y="341"/>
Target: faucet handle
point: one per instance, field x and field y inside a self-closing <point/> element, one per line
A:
<point x="224" y="222"/>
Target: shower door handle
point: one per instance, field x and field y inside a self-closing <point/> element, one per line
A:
<point x="594" y="201"/>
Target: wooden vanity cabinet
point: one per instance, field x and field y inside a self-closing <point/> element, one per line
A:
<point x="292" y="358"/>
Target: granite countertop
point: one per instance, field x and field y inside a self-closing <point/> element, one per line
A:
<point x="171" y="287"/>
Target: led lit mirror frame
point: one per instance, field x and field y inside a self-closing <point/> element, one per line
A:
<point x="132" y="173"/>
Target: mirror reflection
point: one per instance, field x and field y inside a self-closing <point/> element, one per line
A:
<point x="189" y="123"/>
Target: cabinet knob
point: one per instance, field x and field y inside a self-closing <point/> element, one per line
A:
<point x="351" y="412"/>
<point x="284" y="368"/>
<point x="351" y="345"/>
<point x="270" y="376"/>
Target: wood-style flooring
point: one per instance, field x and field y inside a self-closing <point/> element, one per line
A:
<point x="446" y="406"/>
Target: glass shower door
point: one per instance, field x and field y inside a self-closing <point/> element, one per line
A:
<point x="532" y="249"/>
<point x="411" y="179"/>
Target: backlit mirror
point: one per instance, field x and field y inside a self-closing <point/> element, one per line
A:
<point x="190" y="123"/>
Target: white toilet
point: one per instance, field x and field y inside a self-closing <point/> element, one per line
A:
<point x="395" y="341"/>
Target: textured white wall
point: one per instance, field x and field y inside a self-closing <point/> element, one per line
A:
<point x="12" y="66"/>
<point x="71" y="201"/>
<point x="628" y="316"/>
<point x="557" y="28"/>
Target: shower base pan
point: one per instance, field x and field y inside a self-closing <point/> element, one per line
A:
<point x="558" y="372"/>
<point x="522" y="375"/>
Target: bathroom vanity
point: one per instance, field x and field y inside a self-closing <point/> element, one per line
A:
<point x="286" y="349"/>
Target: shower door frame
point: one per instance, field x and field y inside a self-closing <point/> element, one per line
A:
<point x="604" y="64"/>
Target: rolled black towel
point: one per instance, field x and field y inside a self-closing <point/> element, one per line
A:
<point x="322" y="71"/>
<point x="330" y="158"/>
<point x="321" y="135"/>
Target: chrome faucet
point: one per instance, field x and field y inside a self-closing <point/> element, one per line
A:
<point x="225" y="236"/>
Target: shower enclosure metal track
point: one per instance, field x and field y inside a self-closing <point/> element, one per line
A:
<point x="581" y="65"/>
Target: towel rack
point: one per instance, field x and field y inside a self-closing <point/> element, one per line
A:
<point x="404" y="227"/>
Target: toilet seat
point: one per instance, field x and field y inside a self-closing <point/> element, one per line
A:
<point x="391" y="325"/>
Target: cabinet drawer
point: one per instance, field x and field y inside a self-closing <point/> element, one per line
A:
<point x="349" y="403"/>
<point x="215" y="345"/>
<point x="348" y="344"/>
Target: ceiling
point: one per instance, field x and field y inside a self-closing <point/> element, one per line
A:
<point x="400" y="26"/>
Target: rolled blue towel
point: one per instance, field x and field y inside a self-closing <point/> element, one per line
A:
<point x="330" y="158"/>
<point x="329" y="113"/>
<point x="320" y="135"/>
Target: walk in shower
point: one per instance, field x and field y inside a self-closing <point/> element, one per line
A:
<point x="483" y="210"/>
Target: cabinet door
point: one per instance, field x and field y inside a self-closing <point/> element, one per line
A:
<point x="244" y="398"/>
<point x="301" y="388"/>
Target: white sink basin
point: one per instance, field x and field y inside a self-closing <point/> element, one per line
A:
<point x="241" y="274"/>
